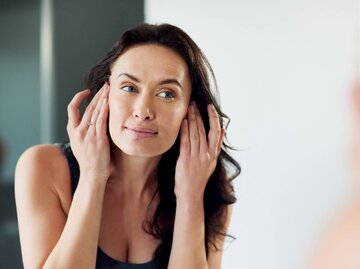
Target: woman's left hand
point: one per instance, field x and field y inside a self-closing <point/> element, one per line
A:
<point x="199" y="153"/>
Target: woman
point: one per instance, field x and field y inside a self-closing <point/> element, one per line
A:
<point x="144" y="183"/>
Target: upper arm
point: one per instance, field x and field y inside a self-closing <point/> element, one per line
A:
<point x="40" y="215"/>
<point x="215" y="256"/>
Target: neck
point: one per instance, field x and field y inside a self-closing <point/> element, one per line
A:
<point x="133" y="176"/>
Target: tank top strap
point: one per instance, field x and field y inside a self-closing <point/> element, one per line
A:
<point x="73" y="165"/>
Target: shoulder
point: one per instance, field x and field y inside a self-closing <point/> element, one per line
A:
<point x="40" y="160"/>
<point x="43" y="168"/>
<point x="39" y="154"/>
<point x="339" y="246"/>
<point x="345" y="229"/>
<point x="43" y="200"/>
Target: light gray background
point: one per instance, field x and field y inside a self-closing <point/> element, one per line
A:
<point x="284" y="70"/>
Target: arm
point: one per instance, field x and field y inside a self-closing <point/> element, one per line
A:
<point x="197" y="161"/>
<point x="188" y="248"/>
<point x="49" y="238"/>
<point x="215" y="256"/>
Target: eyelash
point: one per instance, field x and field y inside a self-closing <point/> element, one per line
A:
<point x="173" y="95"/>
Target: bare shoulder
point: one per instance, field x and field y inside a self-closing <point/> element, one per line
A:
<point x="44" y="168"/>
<point x="46" y="157"/>
<point x="45" y="161"/>
<point x="42" y="195"/>
<point x="339" y="247"/>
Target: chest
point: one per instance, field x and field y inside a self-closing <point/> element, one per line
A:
<point x="122" y="235"/>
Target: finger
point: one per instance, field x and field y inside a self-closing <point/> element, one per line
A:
<point x="73" y="108"/>
<point x="103" y="116"/>
<point x="202" y="132"/>
<point x="222" y="137"/>
<point x="185" y="146"/>
<point x="215" y="129"/>
<point x="91" y="107"/>
<point x="99" y="104"/>
<point x="193" y="131"/>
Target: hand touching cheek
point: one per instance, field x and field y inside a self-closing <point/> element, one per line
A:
<point x="88" y="138"/>
<point x="199" y="153"/>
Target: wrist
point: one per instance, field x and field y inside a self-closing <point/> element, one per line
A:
<point x="187" y="198"/>
<point x="92" y="182"/>
<point x="190" y="207"/>
<point x="89" y="192"/>
<point x="186" y="194"/>
<point x="94" y="176"/>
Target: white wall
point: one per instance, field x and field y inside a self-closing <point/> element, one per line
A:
<point x="284" y="69"/>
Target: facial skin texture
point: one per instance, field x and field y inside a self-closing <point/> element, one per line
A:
<point x="144" y="94"/>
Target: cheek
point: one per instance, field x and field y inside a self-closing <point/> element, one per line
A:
<point x="117" y="110"/>
<point x="113" y="107"/>
<point x="176" y="117"/>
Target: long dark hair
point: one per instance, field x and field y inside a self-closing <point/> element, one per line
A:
<point x="219" y="190"/>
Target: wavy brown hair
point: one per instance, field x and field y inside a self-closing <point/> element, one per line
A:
<point x="219" y="191"/>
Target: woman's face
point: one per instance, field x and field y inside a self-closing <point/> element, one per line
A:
<point x="149" y="96"/>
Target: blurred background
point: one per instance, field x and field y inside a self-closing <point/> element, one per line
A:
<point x="284" y="70"/>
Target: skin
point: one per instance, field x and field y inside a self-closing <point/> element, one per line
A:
<point x="340" y="246"/>
<point x="137" y="98"/>
<point x="118" y="175"/>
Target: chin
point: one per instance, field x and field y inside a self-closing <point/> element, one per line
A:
<point x="137" y="152"/>
<point x="148" y="147"/>
<point x="141" y="149"/>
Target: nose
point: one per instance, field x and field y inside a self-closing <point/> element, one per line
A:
<point x="143" y="108"/>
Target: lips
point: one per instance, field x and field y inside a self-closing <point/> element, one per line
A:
<point x="141" y="132"/>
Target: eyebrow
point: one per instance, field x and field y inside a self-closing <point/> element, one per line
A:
<point x="163" y="82"/>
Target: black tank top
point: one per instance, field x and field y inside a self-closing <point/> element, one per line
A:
<point x="103" y="261"/>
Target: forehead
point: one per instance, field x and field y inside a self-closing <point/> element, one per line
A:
<point x="151" y="60"/>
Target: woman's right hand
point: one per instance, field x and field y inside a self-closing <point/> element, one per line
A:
<point x="88" y="136"/>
